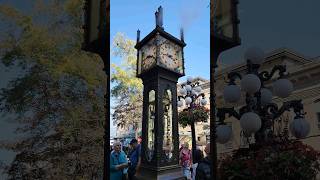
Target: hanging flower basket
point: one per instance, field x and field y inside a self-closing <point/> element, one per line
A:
<point x="198" y="114"/>
<point x="282" y="160"/>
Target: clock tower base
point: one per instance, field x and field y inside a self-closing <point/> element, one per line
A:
<point x="174" y="173"/>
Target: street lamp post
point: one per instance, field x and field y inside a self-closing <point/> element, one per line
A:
<point x="259" y="113"/>
<point x="190" y="93"/>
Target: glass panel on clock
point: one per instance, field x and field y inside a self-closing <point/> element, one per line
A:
<point x="167" y="124"/>
<point x="170" y="56"/>
<point x="151" y="117"/>
<point x="148" y="59"/>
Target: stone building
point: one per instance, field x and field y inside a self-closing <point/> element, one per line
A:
<point x="304" y="73"/>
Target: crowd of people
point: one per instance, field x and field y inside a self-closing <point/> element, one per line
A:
<point x="125" y="163"/>
<point x="125" y="166"/>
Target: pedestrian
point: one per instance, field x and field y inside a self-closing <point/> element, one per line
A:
<point x="182" y="145"/>
<point x="118" y="163"/>
<point x="185" y="160"/>
<point x="135" y="159"/>
<point x="203" y="171"/>
<point x="198" y="156"/>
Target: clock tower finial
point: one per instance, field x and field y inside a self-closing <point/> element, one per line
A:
<point x="181" y="34"/>
<point x="138" y="35"/>
<point x="159" y="17"/>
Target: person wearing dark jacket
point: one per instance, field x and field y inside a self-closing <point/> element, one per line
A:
<point x="203" y="171"/>
<point x="135" y="159"/>
<point x="198" y="156"/>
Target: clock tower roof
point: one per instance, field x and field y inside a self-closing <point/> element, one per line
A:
<point x="163" y="33"/>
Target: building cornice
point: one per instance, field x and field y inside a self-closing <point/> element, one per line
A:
<point x="279" y="53"/>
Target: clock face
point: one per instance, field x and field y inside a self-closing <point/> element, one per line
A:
<point x="148" y="55"/>
<point x="223" y="24"/>
<point x="170" y="55"/>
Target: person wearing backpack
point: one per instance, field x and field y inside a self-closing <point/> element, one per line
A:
<point x="186" y="160"/>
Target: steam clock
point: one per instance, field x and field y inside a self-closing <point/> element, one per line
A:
<point x="160" y="63"/>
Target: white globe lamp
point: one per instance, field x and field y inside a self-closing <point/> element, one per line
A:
<point x="190" y="79"/>
<point x="203" y="102"/>
<point x="282" y="88"/>
<point x="232" y="93"/>
<point x="193" y="92"/>
<point x="250" y="83"/>
<point x="299" y="128"/>
<point x="198" y="89"/>
<point x="183" y="91"/>
<point x="266" y="96"/>
<point x="188" y="100"/>
<point x="188" y="88"/>
<point x="224" y="134"/>
<point x="180" y="103"/>
<point x="250" y="122"/>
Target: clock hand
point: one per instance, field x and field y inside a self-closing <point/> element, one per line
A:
<point x="169" y="55"/>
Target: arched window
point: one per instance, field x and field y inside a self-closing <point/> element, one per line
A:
<point x="167" y="124"/>
<point x="151" y="117"/>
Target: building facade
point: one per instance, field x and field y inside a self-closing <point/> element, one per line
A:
<point x="304" y="73"/>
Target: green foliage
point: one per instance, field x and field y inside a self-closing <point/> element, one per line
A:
<point x="58" y="99"/>
<point x="127" y="89"/>
<point x="278" y="160"/>
<point x="196" y="114"/>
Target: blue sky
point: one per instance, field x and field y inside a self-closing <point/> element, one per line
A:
<point x="128" y="16"/>
<point x="272" y="24"/>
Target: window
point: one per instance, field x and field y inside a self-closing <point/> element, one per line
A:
<point x="151" y="117"/>
<point x="167" y="122"/>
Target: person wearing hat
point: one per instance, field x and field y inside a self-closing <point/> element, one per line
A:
<point x="118" y="163"/>
<point x="135" y="159"/>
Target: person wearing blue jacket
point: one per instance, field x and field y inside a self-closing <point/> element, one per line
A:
<point x="118" y="162"/>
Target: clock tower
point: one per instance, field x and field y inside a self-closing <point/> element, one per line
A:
<point x="160" y="62"/>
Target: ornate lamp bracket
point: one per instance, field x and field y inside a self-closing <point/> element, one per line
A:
<point x="221" y="114"/>
<point x="275" y="112"/>
<point x="232" y="76"/>
<point x="266" y="76"/>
